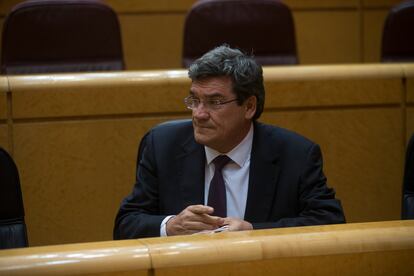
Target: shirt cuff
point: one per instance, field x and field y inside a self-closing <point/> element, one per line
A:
<point x="163" y="228"/>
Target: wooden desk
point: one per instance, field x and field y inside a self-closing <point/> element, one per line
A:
<point x="381" y="248"/>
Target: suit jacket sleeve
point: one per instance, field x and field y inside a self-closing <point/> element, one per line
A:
<point x="408" y="184"/>
<point x="139" y="214"/>
<point x="316" y="203"/>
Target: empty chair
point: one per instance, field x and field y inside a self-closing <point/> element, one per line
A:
<point x="12" y="226"/>
<point x="398" y="34"/>
<point x="44" y="36"/>
<point x="408" y="184"/>
<point x="264" y="28"/>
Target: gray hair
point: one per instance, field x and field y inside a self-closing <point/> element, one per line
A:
<point x="245" y="73"/>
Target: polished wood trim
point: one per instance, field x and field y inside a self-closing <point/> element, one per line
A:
<point x="335" y="72"/>
<point x="201" y="249"/>
<point x="138" y="92"/>
<point x="125" y="78"/>
<point x="408" y="69"/>
<point x="3" y="97"/>
<point x="281" y="243"/>
<point x="298" y="72"/>
<point x="82" y="258"/>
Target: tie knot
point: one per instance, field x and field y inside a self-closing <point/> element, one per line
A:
<point x="220" y="161"/>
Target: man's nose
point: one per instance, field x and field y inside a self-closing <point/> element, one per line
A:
<point x="201" y="112"/>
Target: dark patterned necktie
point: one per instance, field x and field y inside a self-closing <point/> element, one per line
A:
<point x="217" y="191"/>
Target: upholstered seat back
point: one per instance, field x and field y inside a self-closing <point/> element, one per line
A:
<point x="263" y="28"/>
<point x="12" y="225"/>
<point x="43" y="36"/>
<point x="398" y="34"/>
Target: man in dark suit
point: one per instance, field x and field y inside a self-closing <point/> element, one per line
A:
<point x="268" y="177"/>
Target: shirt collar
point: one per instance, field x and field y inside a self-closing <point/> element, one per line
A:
<point x="238" y="154"/>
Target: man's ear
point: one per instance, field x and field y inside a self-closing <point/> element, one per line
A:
<point x="250" y="106"/>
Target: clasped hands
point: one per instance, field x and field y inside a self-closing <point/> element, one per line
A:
<point x="197" y="218"/>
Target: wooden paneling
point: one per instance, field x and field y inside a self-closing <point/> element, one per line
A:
<point x="140" y="92"/>
<point x="409" y="73"/>
<point x="354" y="156"/>
<point x="410" y="86"/>
<point x="332" y="93"/>
<point x="373" y="24"/>
<point x="346" y="134"/>
<point x="99" y="94"/>
<point x="4" y="139"/>
<point x="332" y="4"/>
<point x="6" y="5"/>
<point x="380" y="3"/>
<point x="74" y="175"/>
<point x="333" y="85"/>
<point x="4" y="135"/>
<point x="3" y="98"/>
<point x="144" y="6"/>
<point x="321" y="42"/>
<point x="152" y="41"/>
<point x="410" y="91"/>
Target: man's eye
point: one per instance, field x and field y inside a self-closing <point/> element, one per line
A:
<point x="214" y="102"/>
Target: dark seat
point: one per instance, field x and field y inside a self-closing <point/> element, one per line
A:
<point x="264" y="28"/>
<point x="44" y="36"/>
<point x="398" y="34"/>
<point x="408" y="184"/>
<point x="12" y="226"/>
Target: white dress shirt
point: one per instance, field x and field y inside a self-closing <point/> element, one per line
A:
<point x="235" y="175"/>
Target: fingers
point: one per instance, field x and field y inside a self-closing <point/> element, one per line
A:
<point x="202" y="213"/>
<point x="236" y="224"/>
<point x="193" y="219"/>
<point x="212" y="220"/>
<point x="200" y="209"/>
<point x="196" y="226"/>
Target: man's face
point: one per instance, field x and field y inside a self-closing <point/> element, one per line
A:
<point x="224" y="127"/>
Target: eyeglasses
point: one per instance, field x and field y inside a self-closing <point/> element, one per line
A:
<point x="210" y="104"/>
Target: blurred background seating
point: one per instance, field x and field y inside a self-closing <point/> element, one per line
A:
<point x="398" y="34"/>
<point x="327" y="32"/>
<point x="12" y="225"/>
<point x="43" y="36"/>
<point x="264" y="28"/>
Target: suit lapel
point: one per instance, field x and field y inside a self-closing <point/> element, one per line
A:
<point x="190" y="163"/>
<point x="263" y="175"/>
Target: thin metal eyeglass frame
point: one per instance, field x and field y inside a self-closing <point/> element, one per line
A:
<point x="209" y="107"/>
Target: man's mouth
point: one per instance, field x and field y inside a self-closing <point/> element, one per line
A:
<point x="198" y="125"/>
